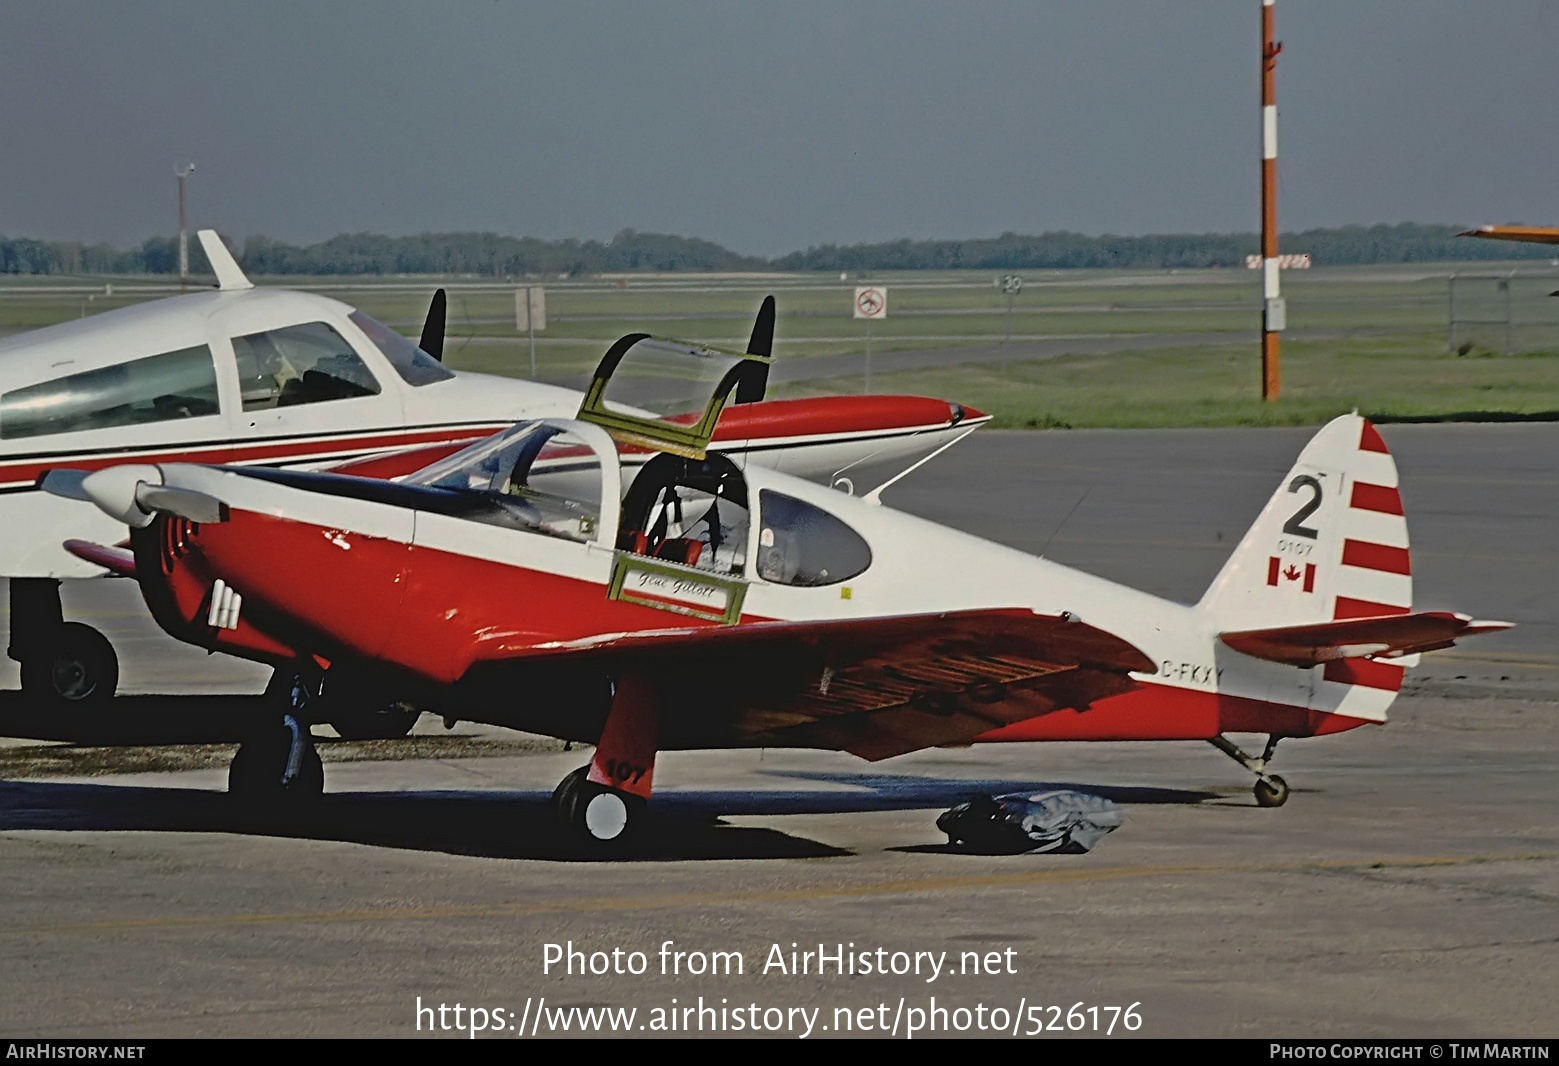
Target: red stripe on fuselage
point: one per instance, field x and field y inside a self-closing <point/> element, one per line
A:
<point x="1370" y="556"/>
<point x="1162" y="712"/>
<point x="824" y="415"/>
<point x="240" y="452"/>
<point x="1382" y="498"/>
<point x="1366" y="672"/>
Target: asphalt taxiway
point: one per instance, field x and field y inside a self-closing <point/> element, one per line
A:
<point x="1408" y="888"/>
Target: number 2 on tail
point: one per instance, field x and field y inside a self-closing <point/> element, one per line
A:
<point x="1295" y="525"/>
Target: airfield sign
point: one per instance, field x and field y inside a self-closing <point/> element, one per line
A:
<point x="871" y="301"/>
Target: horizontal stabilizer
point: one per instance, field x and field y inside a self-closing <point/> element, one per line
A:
<point x="1388" y="636"/>
<point x="120" y="561"/>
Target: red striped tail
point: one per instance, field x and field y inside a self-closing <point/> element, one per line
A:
<point x="1331" y="544"/>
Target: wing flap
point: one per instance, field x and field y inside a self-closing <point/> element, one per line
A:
<point x="1389" y="636"/>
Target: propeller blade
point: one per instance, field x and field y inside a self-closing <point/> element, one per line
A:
<point x="762" y="342"/>
<point x="755" y="381"/>
<point x="66" y="483"/>
<point x="432" y="340"/>
<point x="186" y="503"/>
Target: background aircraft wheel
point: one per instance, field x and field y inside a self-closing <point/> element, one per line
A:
<point x="1271" y="791"/>
<point x="255" y="776"/>
<point x="73" y="667"/>
<point x="388" y="722"/>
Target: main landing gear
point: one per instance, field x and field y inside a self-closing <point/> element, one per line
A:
<point x="65" y="665"/>
<point x="1271" y="790"/>
<point x="602" y="805"/>
<point x="277" y="766"/>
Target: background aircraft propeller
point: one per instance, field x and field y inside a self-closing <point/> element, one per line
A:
<point x="432" y="340"/>
<point x="755" y="382"/>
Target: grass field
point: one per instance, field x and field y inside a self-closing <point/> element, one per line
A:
<point x="1371" y="338"/>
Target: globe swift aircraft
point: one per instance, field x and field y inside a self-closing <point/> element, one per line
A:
<point x="535" y="580"/>
<point x="243" y="375"/>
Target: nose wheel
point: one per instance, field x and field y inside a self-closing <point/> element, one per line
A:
<point x="277" y="766"/>
<point x="1271" y="790"/>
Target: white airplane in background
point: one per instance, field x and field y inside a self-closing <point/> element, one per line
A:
<point x="240" y="375"/>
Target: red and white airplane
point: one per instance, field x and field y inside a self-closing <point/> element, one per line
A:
<point x="534" y="580"/>
<point x="241" y="375"/>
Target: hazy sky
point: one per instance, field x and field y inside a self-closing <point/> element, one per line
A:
<point x="767" y="125"/>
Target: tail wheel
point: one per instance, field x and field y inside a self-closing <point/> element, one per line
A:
<point x="1271" y="791"/>
<point x="74" y="667"/>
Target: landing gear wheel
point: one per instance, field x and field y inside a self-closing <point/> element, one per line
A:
<point x="74" y="667"/>
<point x="258" y="774"/>
<point x="604" y="819"/>
<point x="1271" y="791"/>
<point x="277" y="765"/>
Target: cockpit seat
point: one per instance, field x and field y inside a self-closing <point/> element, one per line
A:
<point x="680" y="550"/>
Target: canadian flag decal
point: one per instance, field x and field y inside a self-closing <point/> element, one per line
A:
<point x="1280" y="573"/>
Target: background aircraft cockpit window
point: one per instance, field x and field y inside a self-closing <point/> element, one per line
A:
<point x="307" y="363"/>
<point x="800" y="544"/>
<point x="413" y="364"/>
<point x="158" y="388"/>
<point x="534" y="477"/>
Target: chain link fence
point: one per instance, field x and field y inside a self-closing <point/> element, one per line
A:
<point x="1513" y="313"/>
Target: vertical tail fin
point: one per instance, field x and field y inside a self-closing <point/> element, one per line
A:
<point x="1331" y="544"/>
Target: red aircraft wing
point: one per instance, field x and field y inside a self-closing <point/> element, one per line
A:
<point x="875" y="687"/>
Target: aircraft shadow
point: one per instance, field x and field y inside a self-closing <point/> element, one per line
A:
<point x="151" y="719"/>
<point x="686" y="825"/>
<point x="878" y="792"/>
<point x="506" y="825"/>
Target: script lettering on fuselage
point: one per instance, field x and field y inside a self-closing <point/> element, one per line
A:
<point x="678" y="588"/>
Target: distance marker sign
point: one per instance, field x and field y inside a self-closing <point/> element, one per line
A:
<point x="871" y="301"/>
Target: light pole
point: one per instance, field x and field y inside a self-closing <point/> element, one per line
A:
<point x="1273" y="311"/>
<point x="181" y="173"/>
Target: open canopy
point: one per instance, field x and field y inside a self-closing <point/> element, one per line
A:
<point x="677" y="390"/>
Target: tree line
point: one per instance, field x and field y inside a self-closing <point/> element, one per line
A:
<point x="492" y="255"/>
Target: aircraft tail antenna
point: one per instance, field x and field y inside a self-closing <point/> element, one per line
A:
<point x="230" y="277"/>
<point x="755" y="382"/>
<point x="432" y="340"/>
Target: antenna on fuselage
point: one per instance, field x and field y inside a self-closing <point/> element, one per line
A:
<point x="230" y="277"/>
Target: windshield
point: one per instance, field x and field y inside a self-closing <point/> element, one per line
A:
<point x="413" y="364"/>
<point x="536" y="476"/>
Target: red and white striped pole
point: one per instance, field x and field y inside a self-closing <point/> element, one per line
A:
<point x="1273" y="311"/>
